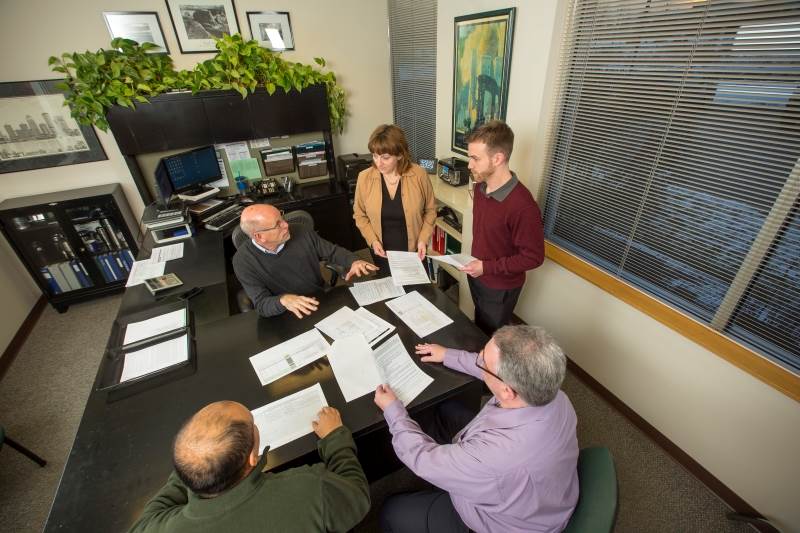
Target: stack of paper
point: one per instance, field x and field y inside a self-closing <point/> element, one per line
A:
<point x="406" y="268"/>
<point x="457" y="260"/>
<point x="418" y="313"/>
<point x="136" y="331"/>
<point x="345" y="323"/>
<point x="369" y="292"/>
<point x="289" y="418"/>
<point x="156" y="357"/>
<point x="286" y="357"/>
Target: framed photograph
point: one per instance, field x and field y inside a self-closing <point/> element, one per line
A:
<point x="198" y="22"/>
<point x="272" y="29"/>
<point x="481" y="68"/>
<point x="37" y="131"/>
<point x="139" y="26"/>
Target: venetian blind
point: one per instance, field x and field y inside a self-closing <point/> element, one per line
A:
<point x="673" y="158"/>
<point x="412" y="39"/>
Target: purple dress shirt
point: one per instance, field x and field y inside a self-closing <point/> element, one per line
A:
<point x="508" y="470"/>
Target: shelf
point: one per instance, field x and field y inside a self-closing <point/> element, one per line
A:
<point x="456" y="197"/>
<point x="450" y="230"/>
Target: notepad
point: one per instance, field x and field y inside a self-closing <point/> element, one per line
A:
<point x="136" y="331"/>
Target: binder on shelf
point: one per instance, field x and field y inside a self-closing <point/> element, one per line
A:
<point x="50" y="280"/>
<point x="118" y="272"/>
<point x="80" y="274"/>
<point x="105" y="267"/>
<point x="123" y="268"/>
<point x="69" y="276"/>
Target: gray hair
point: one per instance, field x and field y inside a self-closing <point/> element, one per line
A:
<point x="530" y="362"/>
<point x="248" y="225"/>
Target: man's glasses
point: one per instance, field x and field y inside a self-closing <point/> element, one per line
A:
<point x="280" y="222"/>
<point x="480" y="363"/>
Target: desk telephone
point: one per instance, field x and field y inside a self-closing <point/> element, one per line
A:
<point x="450" y="217"/>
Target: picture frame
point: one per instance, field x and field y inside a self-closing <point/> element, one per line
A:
<point x="198" y="22"/>
<point x="139" y="26"/>
<point x="281" y="38"/>
<point x="37" y="130"/>
<point x="480" y="79"/>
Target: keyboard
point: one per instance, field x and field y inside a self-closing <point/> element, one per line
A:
<point x="223" y="219"/>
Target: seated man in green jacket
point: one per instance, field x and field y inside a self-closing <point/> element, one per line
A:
<point x="218" y="483"/>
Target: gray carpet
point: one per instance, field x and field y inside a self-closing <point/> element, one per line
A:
<point x="43" y="395"/>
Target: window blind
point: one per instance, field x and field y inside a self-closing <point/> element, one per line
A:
<point x="412" y="39"/>
<point x="673" y="158"/>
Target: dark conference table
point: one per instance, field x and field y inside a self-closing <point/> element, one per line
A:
<point x="122" y="451"/>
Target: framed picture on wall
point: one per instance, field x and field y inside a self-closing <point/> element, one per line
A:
<point x="481" y="68"/>
<point x="139" y="26"/>
<point x="272" y="29"/>
<point x="37" y="130"/>
<point x="198" y="22"/>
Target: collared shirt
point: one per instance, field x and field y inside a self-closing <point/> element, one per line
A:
<point x="503" y="191"/>
<point x="508" y="470"/>
<point x="276" y="252"/>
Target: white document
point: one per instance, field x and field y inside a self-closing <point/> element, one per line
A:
<point x="142" y="270"/>
<point x="235" y="151"/>
<point x="154" y="358"/>
<point x="369" y="292"/>
<point x="457" y="260"/>
<point x="166" y="253"/>
<point x="406" y="268"/>
<point x="418" y="313"/>
<point x="289" y="418"/>
<point x="288" y="356"/>
<point x="259" y="143"/>
<point x="384" y="326"/>
<point x="354" y="366"/>
<point x="136" y="331"/>
<point x="345" y="323"/>
<point x="400" y="371"/>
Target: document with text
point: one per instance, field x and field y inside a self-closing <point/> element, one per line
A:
<point x="289" y="418"/>
<point x="142" y="270"/>
<point x="406" y="268"/>
<point x="345" y="322"/>
<point x="166" y="253"/>
<point x="418" y="313"/>
<point x="354" y="367"/>
<point x="400" y="371"/>
<point x="136" y="331"/>
<point x="380" y="323"/>
<point x="156" y="357"/>
<point x="369" y="292"/>
<point x="457" y="260"/>
<point x="286" y="357"/>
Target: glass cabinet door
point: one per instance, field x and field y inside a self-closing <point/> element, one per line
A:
<point x="102" y="238"/>
<point x="51" y="255"/>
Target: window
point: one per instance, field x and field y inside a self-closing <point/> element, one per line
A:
<point x="674" y="159"/>
<point x="412" y="39"/>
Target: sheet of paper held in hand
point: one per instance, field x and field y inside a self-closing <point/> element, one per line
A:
<point x="166" y="253"/>
<point x="345" y="323"/>
<point x="289" y="418"/>
<point x="288" y="356"/>
<point x="154" y="358"/>
<point x="142" y="270"/>
<point x="406" y="268"/>
<point x="400" y="371"/>
<point x="418" y="313"/>
<point x="136" y="331"/>
<point x="369" y="292"/>
<point x="457" y="260"/>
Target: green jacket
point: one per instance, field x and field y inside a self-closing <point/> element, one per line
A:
<point x="333" y="496"/>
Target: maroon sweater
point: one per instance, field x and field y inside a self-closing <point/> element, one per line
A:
<point x="507" y="236"/>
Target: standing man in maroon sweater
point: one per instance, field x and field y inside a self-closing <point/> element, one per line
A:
<point x="507" y="234"/>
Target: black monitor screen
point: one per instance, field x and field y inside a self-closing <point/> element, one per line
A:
<point x="189" y="170"/>
<point x="163" y="185"/>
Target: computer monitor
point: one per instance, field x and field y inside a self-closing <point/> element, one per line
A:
<point x="163" y="185"/>
<point x="189" y="170"/>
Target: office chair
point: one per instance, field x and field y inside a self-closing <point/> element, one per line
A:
<point x="596" y="511"/>
<point x="294" y="218"/>
<point x="20" y="448"/>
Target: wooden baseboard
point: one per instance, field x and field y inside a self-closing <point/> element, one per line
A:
<point x="19" y="339"/>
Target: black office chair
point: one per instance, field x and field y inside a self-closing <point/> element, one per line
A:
<point x="298" y="218"/>
<point x="20" y="448"/>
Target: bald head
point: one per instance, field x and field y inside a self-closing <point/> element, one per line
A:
<point x="258" y="216"/>
<point x="213" y="449"/>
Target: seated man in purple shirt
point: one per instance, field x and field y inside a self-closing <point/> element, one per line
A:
<point x="510" y="468"/>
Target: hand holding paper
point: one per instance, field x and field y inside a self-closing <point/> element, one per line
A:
<point x="384" y="395"/>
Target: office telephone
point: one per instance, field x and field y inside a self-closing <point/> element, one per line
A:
<point x="450" y="217"/>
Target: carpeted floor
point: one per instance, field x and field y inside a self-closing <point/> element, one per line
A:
<point x="43" y="395"/>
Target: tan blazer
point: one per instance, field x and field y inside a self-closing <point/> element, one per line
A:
<point x="419" y="205"/>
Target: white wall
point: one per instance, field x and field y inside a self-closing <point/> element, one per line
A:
<point x="743" y="431"/>
<point x="350" y="34"/>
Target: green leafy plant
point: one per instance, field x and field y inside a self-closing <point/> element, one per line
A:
<point x="95" y="81"/>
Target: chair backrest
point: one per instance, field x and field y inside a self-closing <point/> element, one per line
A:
<point x="238" y="237"/>
<point x="596" y="511"/>
<point x="300" y="218"/>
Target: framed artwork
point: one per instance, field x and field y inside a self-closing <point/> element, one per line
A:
<point x="481" y="68"/>
<point x="198" y="22"/>
<point x="139" y="26"/>
<point x="272" y="29"/>
<point x="37" y="131"/>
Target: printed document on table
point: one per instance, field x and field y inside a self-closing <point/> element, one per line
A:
<point x="155" y="357"/>
<point x="384" y="326"/>
<point x="288" y="356"/>
<point x="166" y="253"/>
<point x="136" y="331"/>
<point x="399" y="370"/>
<point x="142" y="270"/>
<point x="418" y="313"/>
<point x="354" y="366"/>
<point x="234" y="151"/>
<point x="406" y="268"/>
<point x="369" y="292"/>
<point x="345" y="323"/>
<point x="457" y="260"/>
<point x="289" y="418"/>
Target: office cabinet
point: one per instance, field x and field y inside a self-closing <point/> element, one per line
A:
<point x="76" y="244"/>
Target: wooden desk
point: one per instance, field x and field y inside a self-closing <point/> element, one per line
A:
<point x="122" y="452"/>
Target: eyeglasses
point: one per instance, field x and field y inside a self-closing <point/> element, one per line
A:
<point x="280" y="222"/>
<point x="480" y="363"/>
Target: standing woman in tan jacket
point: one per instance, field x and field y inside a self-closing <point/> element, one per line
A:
<point x="394" y="206"/>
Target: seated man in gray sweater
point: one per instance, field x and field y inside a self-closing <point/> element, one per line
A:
<point x="279" y="270"/>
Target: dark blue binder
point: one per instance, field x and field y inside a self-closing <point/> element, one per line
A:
<point x="51" y="281"/>
<point x="105" y="267"/>
<point x="111" y="261"/>
<point x="80" y="273"/>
